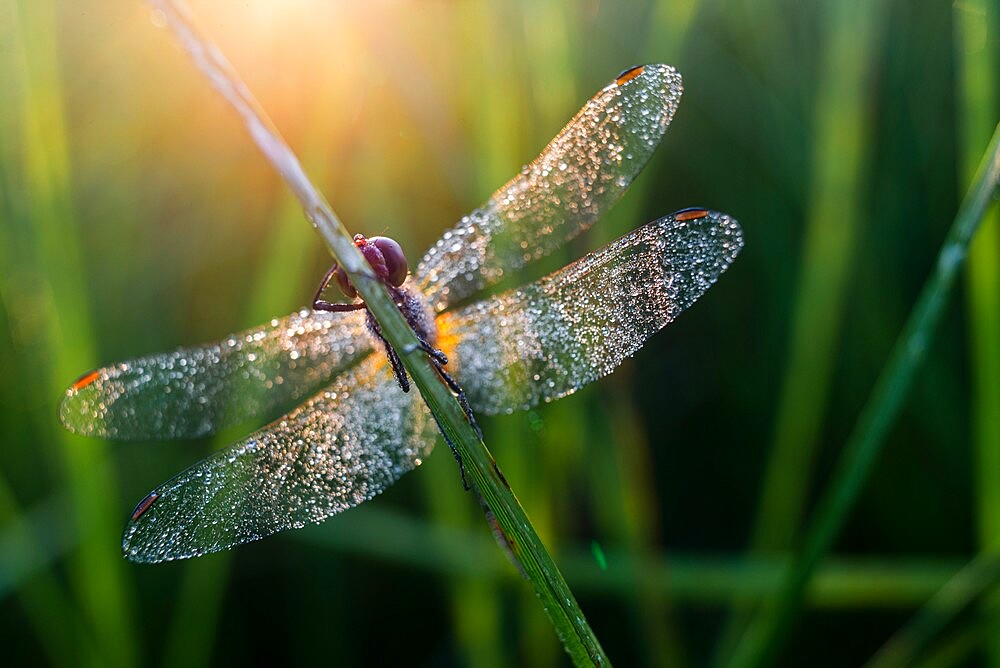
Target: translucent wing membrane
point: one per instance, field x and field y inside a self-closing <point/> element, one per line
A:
<point x="341" y="448"/>
<point x="351" y="440"/>
<point x="577" y="177"/>
<point x="193" y="392"/>
<point x="549" y="339"/>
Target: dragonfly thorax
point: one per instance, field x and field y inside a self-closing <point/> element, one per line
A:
<point x="414" y="308"/>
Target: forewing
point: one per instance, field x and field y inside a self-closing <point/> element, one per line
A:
<point x="196" y="391"/>
<point x="552" y="337"/>
<point x="342" y="447"/>
<point x="577" y="177"/>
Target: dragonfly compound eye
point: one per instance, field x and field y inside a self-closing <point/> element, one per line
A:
<point x="395" y="260"/>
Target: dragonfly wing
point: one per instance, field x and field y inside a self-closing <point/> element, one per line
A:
<point x="548" y="339"/>
<point x="341" y="448"/>
<point x="196" y="391"/>
<point x="577" y="177"/>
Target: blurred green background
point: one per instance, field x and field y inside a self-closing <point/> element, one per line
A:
<point x="136" y="216"/>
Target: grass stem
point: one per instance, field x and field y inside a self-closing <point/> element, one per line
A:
<point x="979" y="577"/>
<point x="977" y="97"/>
<point x="762" y="641"/>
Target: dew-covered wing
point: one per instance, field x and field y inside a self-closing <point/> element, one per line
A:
<point x="548" y="339"/>
<point x="341" y="448"/>
<point x="577" y="178"/>
<point x="196" y="391"/>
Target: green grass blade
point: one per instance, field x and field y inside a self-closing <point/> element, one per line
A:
<point x="836" y="210"/>
<point x="702" y="579"/>
<point x="959" y="648"/>
<point x="45" y="239"/>
<point x="29" y="544"/>
<point x="762" y="641"/>
<point x="696" y="578"/>
<point x="975" y="21"/>
<point x="619" y="462"/>
<point x="29" y="541"/>
<point x="549" y="585"/>
<point x="980" y="576"/>
<point x="190" y="638"/>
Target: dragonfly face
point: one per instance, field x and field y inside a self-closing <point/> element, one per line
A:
<point x="386" y="258"/>
<point x="354" y="432"/>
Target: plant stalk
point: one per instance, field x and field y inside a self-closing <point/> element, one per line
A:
<point x="762" y="642"/>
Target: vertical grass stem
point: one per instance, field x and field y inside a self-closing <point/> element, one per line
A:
<point x="762" y="641"/>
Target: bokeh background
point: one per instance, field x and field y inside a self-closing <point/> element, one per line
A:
<point x="136" y="216"/>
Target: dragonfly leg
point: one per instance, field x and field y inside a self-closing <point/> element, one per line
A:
<point x="398" y="370"/>
<point x="434" y="353"/>
<point x="330" y="307"/>
<point x="439" y="359"/>
<point x="327" y="277"/>
<point x="454" y="451"/>
<point x="458" y="391"/>
<point x="323" y="305"/>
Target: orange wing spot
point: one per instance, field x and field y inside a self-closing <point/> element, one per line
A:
<point x="690" y="214"/>
<point x="629" y="74"/>
<point x="86" y="379"/>
<point x="144" y="506"/>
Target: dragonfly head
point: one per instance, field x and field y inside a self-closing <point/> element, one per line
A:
<point x="386" y="258"/>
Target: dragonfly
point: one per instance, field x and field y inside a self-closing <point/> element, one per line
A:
<point x="354" y="432"/>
